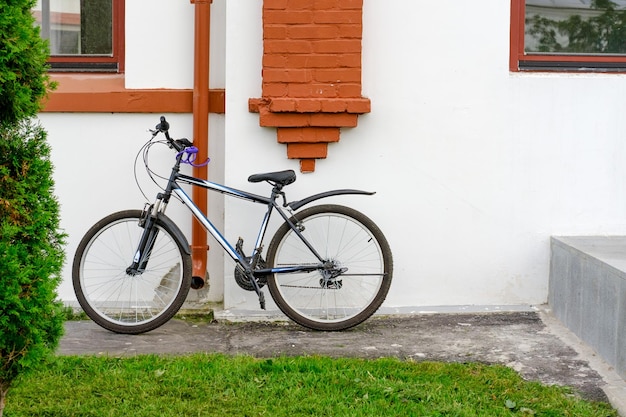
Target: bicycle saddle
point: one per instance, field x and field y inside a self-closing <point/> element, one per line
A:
<point x="279" y="177"/>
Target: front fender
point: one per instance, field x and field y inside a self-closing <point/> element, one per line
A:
<point x="295" y="205"/>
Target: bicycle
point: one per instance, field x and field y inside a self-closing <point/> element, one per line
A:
<point x="328" y="267"/>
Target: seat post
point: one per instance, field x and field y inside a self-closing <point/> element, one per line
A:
<point x="278" y="190"/>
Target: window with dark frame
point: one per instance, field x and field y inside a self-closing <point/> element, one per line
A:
<point x="83" y="35"/>
<point x="568" y="35"/>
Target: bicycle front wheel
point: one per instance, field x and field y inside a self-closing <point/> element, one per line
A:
<point x="356" y="275"/>
<point x="123" y="302"/>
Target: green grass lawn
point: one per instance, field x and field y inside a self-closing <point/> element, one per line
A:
<point x="219" y="385"/>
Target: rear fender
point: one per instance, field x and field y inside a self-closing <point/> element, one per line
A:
<point x="295" y="205"/>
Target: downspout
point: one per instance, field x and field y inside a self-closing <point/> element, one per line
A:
<point x="202" y="25"/>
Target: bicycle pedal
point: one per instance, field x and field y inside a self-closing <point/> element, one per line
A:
<point x="262" y="300"/>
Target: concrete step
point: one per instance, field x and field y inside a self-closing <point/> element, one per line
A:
<point x="587" y="292"/>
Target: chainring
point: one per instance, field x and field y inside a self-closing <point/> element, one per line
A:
<point x="242" y="279"/>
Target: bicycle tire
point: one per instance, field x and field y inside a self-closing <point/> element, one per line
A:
<point x="350" y="240"/>
<point x="118" y="301"/>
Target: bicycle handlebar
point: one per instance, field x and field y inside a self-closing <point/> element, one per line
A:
<point x="182" y="146"/>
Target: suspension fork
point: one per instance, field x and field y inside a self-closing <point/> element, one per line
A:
<point x="148" y="238"/>
<point x="148" y="223"/>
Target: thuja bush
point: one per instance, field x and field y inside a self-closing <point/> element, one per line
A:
<point x="23" y="55"/>
<point x="31" y="252"/>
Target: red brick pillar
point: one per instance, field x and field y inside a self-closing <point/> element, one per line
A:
<point x="311" y="74"/>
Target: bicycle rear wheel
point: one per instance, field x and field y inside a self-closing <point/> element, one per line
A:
<point x="353" y="248"/>
<point x="126" y="303"/>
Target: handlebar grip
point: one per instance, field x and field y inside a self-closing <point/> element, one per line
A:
<point x="164" y="126"/>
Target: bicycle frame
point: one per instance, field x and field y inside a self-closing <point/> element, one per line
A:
<point x="271" y="204"/>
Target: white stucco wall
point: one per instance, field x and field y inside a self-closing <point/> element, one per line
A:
<point x="474" y="167"/>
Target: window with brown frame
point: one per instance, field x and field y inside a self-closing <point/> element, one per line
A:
<point x="83" y="35"/>
<point x="568" y="35"/>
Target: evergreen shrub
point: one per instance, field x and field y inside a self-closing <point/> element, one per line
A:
<point x="24" y="80"/>
<point x="31" y="252"/>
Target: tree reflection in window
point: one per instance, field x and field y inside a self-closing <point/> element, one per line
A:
<point x="561" y="27"/>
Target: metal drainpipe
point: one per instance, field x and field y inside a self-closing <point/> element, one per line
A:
<point x="199" y="246"/>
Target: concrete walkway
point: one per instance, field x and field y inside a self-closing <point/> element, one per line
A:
<point x="533" y="343"/>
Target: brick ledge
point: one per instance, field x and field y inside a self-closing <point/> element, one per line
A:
<point x="308" y="125"/>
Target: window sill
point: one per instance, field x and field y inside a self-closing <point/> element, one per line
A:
<point x="106" y="93"/>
